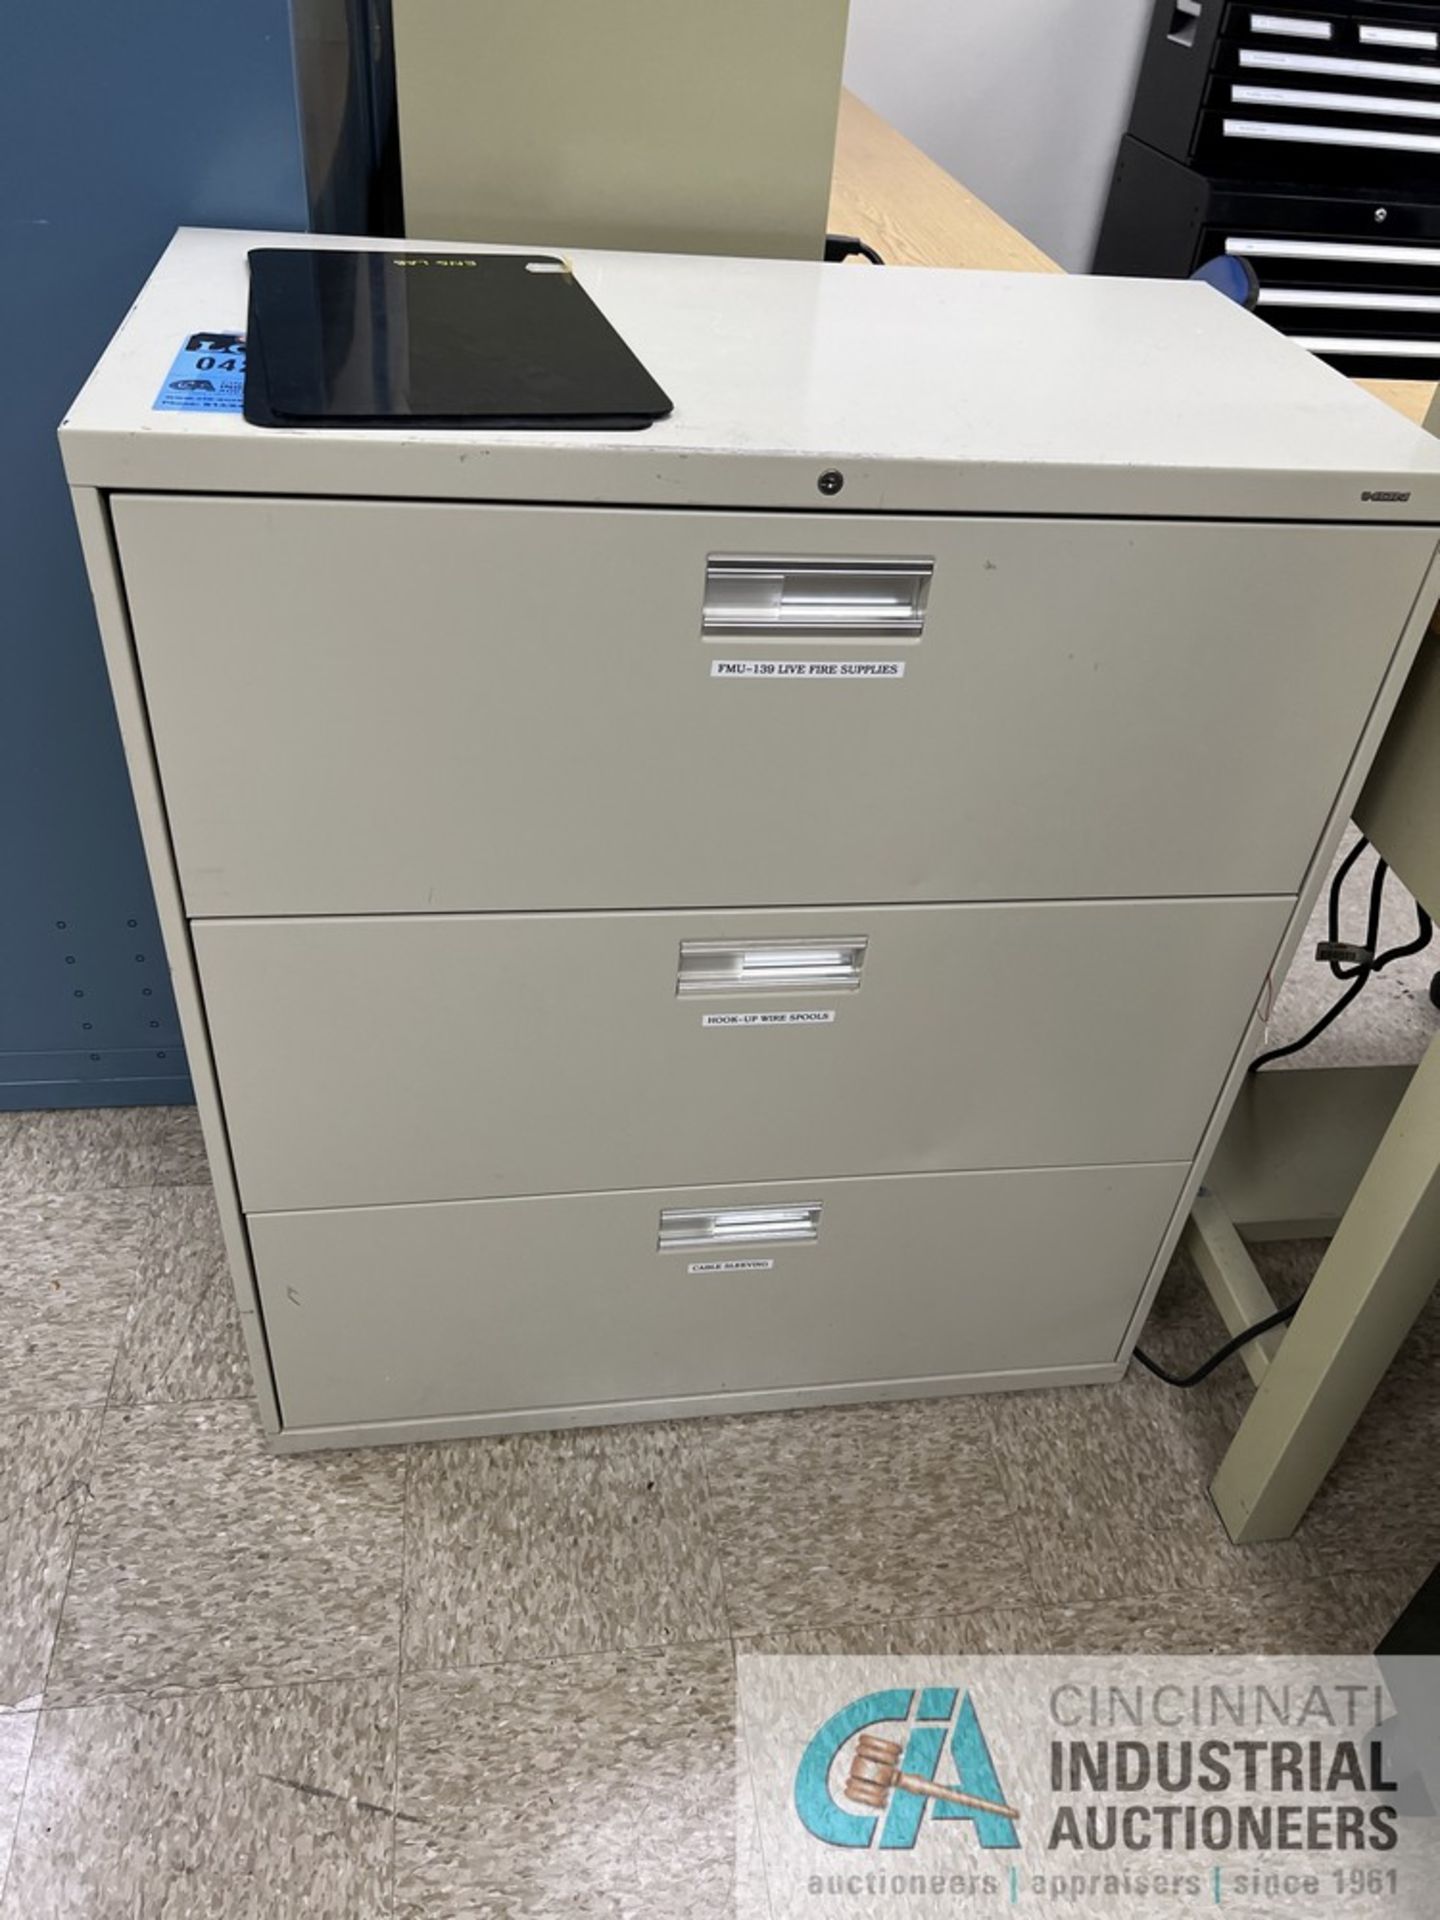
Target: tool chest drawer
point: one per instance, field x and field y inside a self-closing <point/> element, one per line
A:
<point x="1290" y="94"/>
<point x="1347" y="94"/>
<point x="451" y="1058"/>
<point x="1368" y="306"/>
<point x="509" y="1306"/>
<point x="389" y="707"/>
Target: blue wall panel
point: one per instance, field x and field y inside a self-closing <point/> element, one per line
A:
<point x="119" y="121"/>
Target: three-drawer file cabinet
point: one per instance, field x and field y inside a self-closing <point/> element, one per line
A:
<point x="769" y="909"/>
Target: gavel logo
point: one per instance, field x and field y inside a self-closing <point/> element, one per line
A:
<point x="875" y="1774"/>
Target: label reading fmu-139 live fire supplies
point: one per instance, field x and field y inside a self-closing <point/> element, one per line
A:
<point x="812" y="670"/>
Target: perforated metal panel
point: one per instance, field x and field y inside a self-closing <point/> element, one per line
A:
<point x="173" y="138"/>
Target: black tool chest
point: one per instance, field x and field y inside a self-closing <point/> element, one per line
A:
<point x="1306" y="139"/>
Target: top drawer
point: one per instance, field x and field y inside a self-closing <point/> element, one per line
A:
<point x="377" y="707"/>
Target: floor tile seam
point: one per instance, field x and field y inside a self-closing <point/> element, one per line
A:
<point x="570" y="1657"/>
<point x="13" y="1195"/>
<point x="19" y="1809"/>
<point x="703" y="1452"/>
<point x="92" y="1442"/>
<point x="395" y="1777"/>
<point x="160" y="1691"/>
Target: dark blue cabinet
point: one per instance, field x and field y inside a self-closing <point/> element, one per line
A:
<point x="118" y="123"/>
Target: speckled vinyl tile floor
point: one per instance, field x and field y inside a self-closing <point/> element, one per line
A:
<point x="493" y="1680"/>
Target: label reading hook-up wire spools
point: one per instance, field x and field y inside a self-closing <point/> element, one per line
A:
<point x="808" y="1017"/>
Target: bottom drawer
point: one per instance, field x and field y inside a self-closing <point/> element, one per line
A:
<point x="553" y="1306"/>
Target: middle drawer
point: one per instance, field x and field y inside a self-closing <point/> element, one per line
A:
<point x="370" y="1061"/>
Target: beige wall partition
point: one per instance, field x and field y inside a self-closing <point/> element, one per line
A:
<point x="677" y="125"/>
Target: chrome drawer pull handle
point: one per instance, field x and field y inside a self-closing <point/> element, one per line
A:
<point x="1242" y="96"/>
<point x="1360" y="252"/>
<point x="1350" y="301"/>
<point x="1425" y="38"/>
<point x="761" y="966"/>
<point x="825" y="598"/>
<point x="1262" y="57"/>
<point x="686" y="1227"/>
<point x="1378" y="140"/>
<point x="1288" y="24"/>
<point x="1397" y="347"/>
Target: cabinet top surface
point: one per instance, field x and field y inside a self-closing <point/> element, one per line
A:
<point x="931" y="390"/>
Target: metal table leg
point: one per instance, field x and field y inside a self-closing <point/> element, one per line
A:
<point x="1375" y="1277"/>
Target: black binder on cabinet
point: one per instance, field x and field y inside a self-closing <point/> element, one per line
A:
<point x="415" y="339"/>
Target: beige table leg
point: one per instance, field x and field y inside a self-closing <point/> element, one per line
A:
<point x="1375" y="1277"/>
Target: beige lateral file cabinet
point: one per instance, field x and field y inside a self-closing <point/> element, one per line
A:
<point x="769" y="909"/>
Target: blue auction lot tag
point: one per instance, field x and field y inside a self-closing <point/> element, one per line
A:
<point x="208" y="376"/>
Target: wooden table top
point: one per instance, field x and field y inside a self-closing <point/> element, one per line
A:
<point x="916" y="215"/>
<point x="910" y="210"/>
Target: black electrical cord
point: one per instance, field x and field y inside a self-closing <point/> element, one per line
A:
<point x="1355" y="966"/>
<point x="1367" y="961"/>
<point x="1328" y="1018"/>
<point x="1424" y="934"/>
<point x="1337" y="884"/>
<point x="845" y="246"/>
<point x="1203" y="1372"/>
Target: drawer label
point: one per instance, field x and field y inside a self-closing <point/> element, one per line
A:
<point x="730" y="1266"/>
<point x="807" y="669"/>
<point x="807" y="1017"/>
